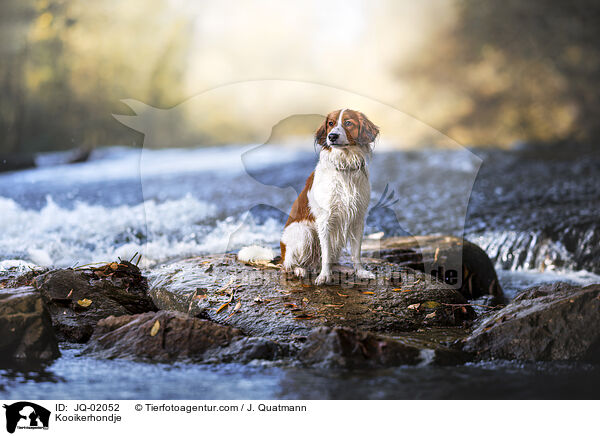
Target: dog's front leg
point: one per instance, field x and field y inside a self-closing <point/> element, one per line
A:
<point x="356" y="235"/>
<point x="325" y="245"/>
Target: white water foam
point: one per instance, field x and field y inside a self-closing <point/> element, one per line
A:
<point x="61" y="237"/>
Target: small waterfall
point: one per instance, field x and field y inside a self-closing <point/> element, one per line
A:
<point x="570" y="248"/>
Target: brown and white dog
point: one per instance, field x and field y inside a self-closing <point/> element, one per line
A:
<point x="330" y="211"/>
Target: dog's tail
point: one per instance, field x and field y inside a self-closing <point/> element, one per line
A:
<point x="256" y="254"/>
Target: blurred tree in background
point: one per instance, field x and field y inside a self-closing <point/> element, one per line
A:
<point x="512" y="70"/>
<point x="66" y="64"/>
<point x="490" y="72"/>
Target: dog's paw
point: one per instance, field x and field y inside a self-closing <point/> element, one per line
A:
<point x="323" y="278"/>
<point x="364" y="274"/>
<point x="300" y="272"/>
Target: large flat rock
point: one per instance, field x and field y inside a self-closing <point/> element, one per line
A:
<point x="264" y="301"/>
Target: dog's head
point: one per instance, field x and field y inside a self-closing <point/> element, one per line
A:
<point x="344" y="128"/>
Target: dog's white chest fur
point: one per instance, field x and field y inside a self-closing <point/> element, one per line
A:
<point x="338" y="198"/>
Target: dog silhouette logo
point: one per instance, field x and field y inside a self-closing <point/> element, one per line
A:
<point x="26" y="415"/>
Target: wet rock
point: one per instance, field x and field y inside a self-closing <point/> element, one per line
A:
<point x="547" y="322"/>
<point x="247" y="349"/>
<point x="79" y="298"/>
<point x="263" y="301"/>
<point x="161" y="336"/>
<point x="27" y="333"/>
<point x="19" y="275"/>
<point x="343" y="347"/>
<point x="458" y="262"/>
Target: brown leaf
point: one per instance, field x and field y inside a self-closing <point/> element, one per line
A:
<point x="237" y="307"/>
<point x="70" y="293"/>
<point x="367" y="292"/>
<point x="300" y="317"/>
<point x="431" y="315"/>
<point x="414" y="306"/>
<point x="334" y="305"/>
<point x="222" y="307"/>
<point x="342" y="295"/>
<point x="155" y="328"/>
<point x="435" y="256"/>
<point x="84" y="303"/>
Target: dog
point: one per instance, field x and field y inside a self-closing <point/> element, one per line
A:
<point x="330" y="211"/>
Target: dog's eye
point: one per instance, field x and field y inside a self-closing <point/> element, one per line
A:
<point x="348" y="123"/>
<point x="330" y="123"/>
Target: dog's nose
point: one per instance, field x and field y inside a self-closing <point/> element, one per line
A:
<point x="333" y="136"/>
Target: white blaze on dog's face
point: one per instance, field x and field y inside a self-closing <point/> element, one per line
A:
<point x="337" y="136"/>
<point x="346" y="127"/>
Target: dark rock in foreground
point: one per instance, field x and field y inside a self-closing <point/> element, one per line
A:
<point x="547" y="322"/>
<point x="161" y="336"/>
<point x="263" y="301"/>
<point x="27" y="333"/>
<point x="79" y="298"/>
<point x="173" y="336"/>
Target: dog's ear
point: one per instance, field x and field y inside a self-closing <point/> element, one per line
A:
<point x="367" y="131"/>
<point x="321" y="134"/>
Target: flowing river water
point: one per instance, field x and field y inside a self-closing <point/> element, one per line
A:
<point x="534" y="211"/>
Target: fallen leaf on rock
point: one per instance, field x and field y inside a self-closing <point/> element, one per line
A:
<point x="84" y="303"/>
<point x="342" y="295"/>
<point x="237" y="307"/>
<point x="300" y="317"/>
<point x="222" y="307"/>
<point x="334" y="305"/>
<point x="431" y="304"/>
<point x="367" y="292"/>
<point x="70" y="293"/>
<point x="431" y="315"/>
<point x="155" y="328"/>
<point x="414" y="306"/>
